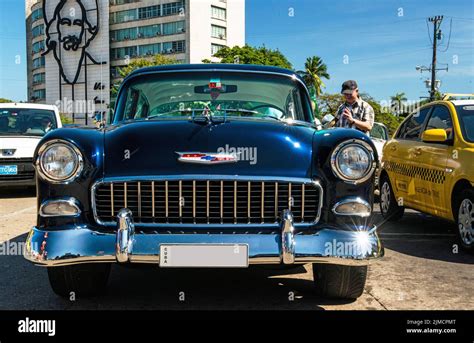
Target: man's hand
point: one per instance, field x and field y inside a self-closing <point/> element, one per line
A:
<point x="348" y="115"/>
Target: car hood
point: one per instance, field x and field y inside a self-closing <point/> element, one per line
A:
<point x="150" y="148"/>
<point x="24" y="146"/>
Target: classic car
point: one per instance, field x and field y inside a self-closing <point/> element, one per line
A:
<point x="21" y="128"/>
<point x="429" y="166"/>
<point x="217" y="166"/>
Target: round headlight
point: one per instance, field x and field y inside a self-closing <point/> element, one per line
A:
<point x="59" y="161"/>
<point x="353" y="161"/>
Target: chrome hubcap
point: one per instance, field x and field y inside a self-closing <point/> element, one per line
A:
<point x="465" y="221"/>
<point x="385" y="197"/>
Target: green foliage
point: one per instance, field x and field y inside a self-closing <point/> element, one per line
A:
<point x="65" y="119"/>
<point x="252" y="55"/>
<point x="4" y="101"/>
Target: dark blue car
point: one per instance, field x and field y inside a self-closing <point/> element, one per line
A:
<point x="212" y="165"/>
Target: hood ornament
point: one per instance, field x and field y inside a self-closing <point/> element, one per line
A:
<point x="206" y="157"/>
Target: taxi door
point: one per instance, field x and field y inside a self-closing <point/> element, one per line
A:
<point x="430" y="183"/>
<point x="402" y="161"/>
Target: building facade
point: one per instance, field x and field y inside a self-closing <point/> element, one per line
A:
<point x="76" y="47"/>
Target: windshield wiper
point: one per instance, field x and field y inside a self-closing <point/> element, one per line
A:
<point x="242" y="110"/>
<point x="192" y="110"/>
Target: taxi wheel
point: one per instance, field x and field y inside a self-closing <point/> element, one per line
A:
<point x="79" y="280"/>
<point x="338" y="281"/>
<point x="388" y="204"/>
<point x="465" y="219"/>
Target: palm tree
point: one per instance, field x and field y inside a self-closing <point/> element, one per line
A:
<point x="315" y="71"/>
<point x="398" y="99"/>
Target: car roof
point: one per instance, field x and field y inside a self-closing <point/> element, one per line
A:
<point x="214" y="67"/>
<point x="28" y="106"/>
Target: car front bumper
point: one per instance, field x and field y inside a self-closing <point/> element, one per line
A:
<point x="84" y="244"/>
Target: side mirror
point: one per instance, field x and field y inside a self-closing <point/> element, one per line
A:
<point x="434" y="136"/>
<point x="317" y="124"/>
<point x="327" y="119"/>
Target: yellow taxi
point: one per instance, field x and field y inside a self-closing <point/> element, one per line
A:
<point x="428" y="165"/>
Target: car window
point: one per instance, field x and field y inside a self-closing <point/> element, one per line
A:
<point x="466" y="119"/>
<point x="26" y="122"/>
<point x="411" y="128"/>
<point x="441" y="119"/>
<point x="378" y="131"/>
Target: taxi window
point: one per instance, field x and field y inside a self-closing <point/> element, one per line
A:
<point x="441" y="119"/>
<point x="411" y="128"/>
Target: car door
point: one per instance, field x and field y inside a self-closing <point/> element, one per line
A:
<point x="431" y="180"/>
<point x="403" y="161"/>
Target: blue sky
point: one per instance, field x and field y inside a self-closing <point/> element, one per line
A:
<point x="382" y="47"/>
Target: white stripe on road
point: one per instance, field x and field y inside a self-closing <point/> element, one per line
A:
<point x="13" y="214"/>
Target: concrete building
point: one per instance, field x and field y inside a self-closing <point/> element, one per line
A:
<point x="75" y="47"/>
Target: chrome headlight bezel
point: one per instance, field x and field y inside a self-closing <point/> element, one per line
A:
<point x="79" y="162"/>
<point x="360" y="144"/>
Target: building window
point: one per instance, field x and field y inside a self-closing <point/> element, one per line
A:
<point x="218" y="32"/>
<point x="38" y="47"/>
<point x="36" y="14"/>
<point x="120" y="53"/>
<point x="123" y="16"/>
<point x="37" y="31"/>
<point x="149" y="12"/>
<point x="218" y="13"/>
<point x="174" y="47"/>
<point x="122" y="2"/>
<point x="173" y="8"/>
<point x="39" y="94"/>
<point x="149" y="49"/>
<point x="38" y="62"/>
<point x="124" y="34"/>
<point x="149" y="31"/>
<point x="39" y="78"/>
<point x="174" y="27"/>
<point x="215" y="48"/>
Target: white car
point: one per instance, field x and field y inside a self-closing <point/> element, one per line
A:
<point x="379" y="135"/>
<point x="21" y="128"/>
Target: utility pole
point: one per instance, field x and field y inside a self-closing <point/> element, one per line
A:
<point x="436" y="35"/>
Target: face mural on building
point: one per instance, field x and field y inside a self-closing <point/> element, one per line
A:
<point x="69" y="33"/>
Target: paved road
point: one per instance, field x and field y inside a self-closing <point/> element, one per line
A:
<point x="419" y="271"/>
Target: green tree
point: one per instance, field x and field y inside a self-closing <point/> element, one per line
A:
<point x="252" y="55"/>
<point x="3" y="101"/>
<point x="398" y="100"/>
<point x="314" y="71"/>
<point x="135" y="64"/>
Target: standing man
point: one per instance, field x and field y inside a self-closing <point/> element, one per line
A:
<point x="354" y="113"/>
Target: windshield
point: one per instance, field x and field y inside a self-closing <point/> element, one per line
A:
<point x="204" y="94"/>
<point x="26" y="122"/>
<point x="379" y="131"/>
<point x="466" y="118"/>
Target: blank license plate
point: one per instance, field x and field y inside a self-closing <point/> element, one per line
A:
<point x="204" y="255"/>
<point x="8" y="170"/>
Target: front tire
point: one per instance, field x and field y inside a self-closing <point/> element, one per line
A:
<point x="82" y="279"/>
<point x="388" y="204"/>
<point x="464" y="215"/>
<point x="337" y="281"/>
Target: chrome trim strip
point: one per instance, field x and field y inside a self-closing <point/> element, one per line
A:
<point x="262" y="202"/>
<point x="276" y="201"/>
<point x="153" y="198"/>
<point x="125" y="194"/>
<point x="194" y="201"/>
<point x="207" y="177"/>
<point x="166" y="200"/>
<point x="139" y="194"/>
<point x="302" y="202"/>
<point x="235" y="202"/>
<point x="249" y="187"/>
<point x="207" y="200"/>
<point x="290" y="200"/>
<point x="125" y="235"/>
<point x="112" y="199"/>
<point x="357" y="200"/>
<point x="287" y="238"/>
<point x="222" y="201"/>
<point x="73" y="202"/>
<point x="180" y="198"/>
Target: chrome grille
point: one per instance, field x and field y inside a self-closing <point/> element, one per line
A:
<point x="207" y="201"/>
